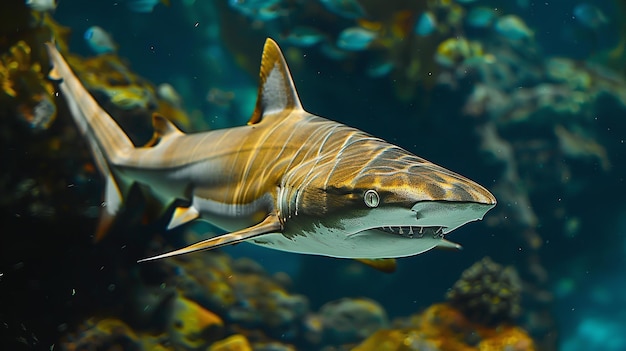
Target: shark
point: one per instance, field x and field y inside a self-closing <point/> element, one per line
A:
<point x="288" y="180"/>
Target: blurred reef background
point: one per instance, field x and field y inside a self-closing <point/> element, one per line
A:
<point x="525" y="97"/>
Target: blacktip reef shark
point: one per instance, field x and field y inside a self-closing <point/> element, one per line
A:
<point x="288" y="180"/>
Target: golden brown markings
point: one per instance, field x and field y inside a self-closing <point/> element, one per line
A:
<point x="310" y="162"/>
<point x="261" y="163"/>
<point x="368" y="166"/>
<point x="199" y="144"/>
<point x="279" y="157"/>
<point x="309" y="171"/>
<point x="301" y="162"/>
<point x="300" y="155"/>
<point x="331" y="130"/>
<point x="346" y="141"/>
<point x="384" y="160"/>
<point x="244" y="191"/>
<point x="265" y="166"/>
<point x="229" y="191"/>
<point x="362" y="154"/>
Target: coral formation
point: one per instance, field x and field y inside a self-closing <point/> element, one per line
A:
<point x="111" y="334"/>
<point x="25" y="89"/>
<point x="541" y="122"/>
<point x="232" y="343"/>
<point x="350" y="320"/>
<point x="223" y="304"/>
<point x="443" y="328"/>
<point x="487" y="293"/>
<point x="241" y="292"/>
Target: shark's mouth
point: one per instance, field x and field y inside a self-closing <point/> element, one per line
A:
<point x="412" y="232"/>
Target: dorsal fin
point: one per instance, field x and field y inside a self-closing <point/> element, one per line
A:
<point x="163" y="128"/>
<point x="276" y="89"/>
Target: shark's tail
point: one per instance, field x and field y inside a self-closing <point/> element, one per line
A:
<point x="108" y="142"/>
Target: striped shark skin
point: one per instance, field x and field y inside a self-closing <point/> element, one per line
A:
<point x="288" y="180"/>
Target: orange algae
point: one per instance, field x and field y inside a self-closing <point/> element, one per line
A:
<point x="189" y="321"/>
<point x="443" y="328"/>
<point x="236" y="342"/>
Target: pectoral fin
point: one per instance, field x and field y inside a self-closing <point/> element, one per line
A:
<point x="183" y="215"/>
<point x="386" y="265"/>
<point x="271" y="224"/>
<point x="110" y="208"/>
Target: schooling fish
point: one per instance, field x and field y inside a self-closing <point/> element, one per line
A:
<point x="262" y="10"/>
<point x="480" y="17"/>
<point x="304" y="36"/>
<point x="288" y="180"/>
<point x="513" y="28"/>
<point x="355" y="38"/>
<point x="345" y="8"/>
<point x="99" y="41"/>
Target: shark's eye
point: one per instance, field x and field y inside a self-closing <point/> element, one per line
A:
<point x="371" y="198"/>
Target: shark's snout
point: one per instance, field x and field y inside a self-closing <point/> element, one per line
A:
<point x="435" y="183"/>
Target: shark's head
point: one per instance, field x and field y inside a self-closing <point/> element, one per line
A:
<point x="378" y="200"/>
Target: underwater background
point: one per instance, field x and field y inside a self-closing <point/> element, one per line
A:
<point x="527" y="98"/>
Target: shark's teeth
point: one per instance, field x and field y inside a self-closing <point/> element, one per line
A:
<point x="413" y="231"/>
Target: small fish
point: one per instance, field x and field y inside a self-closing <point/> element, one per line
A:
<point x="167" y="92"/>
<point x="219" y="97"/>
<point x="40" y="115"/>
<point x="355" y="38"/>
<point x="345" y="8"/>
<point x="426" y="24"/>
<point x="303" y="36"/>
<point x="251" y="4"/>
<point x="262" y="10"/>
<point x="480" y="17"/>
<point x="144" y="6"/>
<point x="332" y="52"/>
<point x="385" y="265"/>
<point x="513" y="28"/>
<point x="42" y="5"/>
<point x="99" y="41"/>
<point x="380" y="68"/>
<point x="590" y="16"/>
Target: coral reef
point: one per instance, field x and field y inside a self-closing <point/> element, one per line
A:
<point x="479" y="315"/>
<point x="350" y="320"/>
<point x="241" y="292"/>
<point x="213" y="302"/>
<point x="548" y="127"/>
<point x="487" y="293"/>
<point x="442" y="328"/>
<point x="25" y="89"/>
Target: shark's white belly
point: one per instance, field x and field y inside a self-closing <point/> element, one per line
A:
<point x="335" y="243"/>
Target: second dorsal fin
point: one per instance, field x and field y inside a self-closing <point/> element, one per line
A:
<point x="163" y="128"/>
<point x="276" y="89"/>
